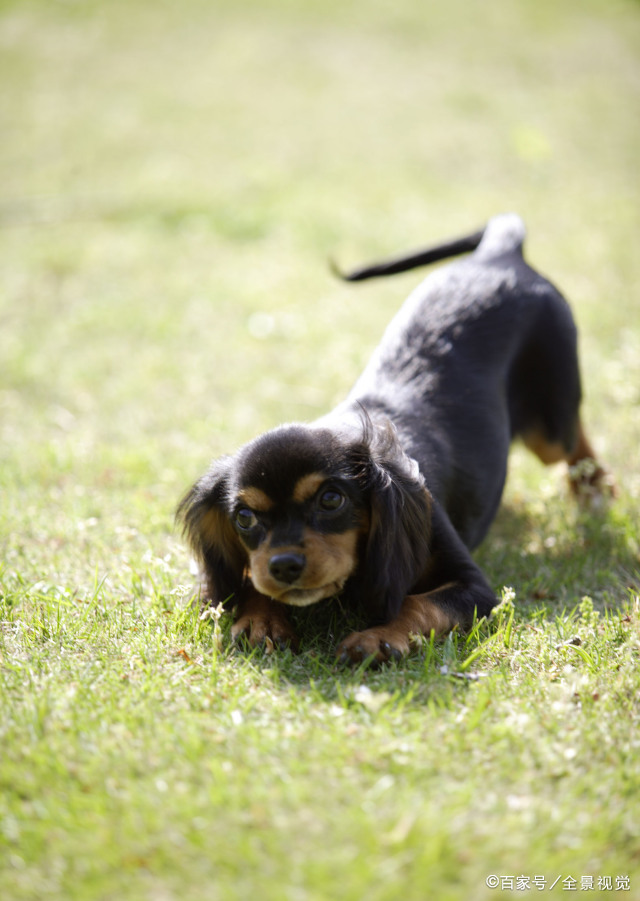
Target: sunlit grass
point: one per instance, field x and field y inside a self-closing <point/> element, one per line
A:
<point x="175" y="179"/>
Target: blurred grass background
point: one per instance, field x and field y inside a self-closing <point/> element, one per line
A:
<point x="173" y="180"/>
<point x="175" y="177"/>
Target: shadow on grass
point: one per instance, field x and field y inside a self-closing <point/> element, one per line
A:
<point x="561" y="553"/>
<point x="428" y="677"/>
<point x="551" y="559"/>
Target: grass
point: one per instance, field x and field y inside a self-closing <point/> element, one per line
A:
<point x="175" y="177"/>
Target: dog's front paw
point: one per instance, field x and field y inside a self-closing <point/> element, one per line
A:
<point x="380" y="645"/>
<point x="269" y="629"/>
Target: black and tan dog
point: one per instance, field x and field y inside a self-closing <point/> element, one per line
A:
<point x="383" y="498"/>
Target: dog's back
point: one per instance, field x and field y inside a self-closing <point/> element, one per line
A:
<point x="482" y="351"/>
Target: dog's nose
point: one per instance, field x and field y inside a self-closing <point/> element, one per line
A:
<point x="287" y="567"/>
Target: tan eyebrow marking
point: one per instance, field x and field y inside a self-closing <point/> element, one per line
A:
<point x="307" y="486"/>
<point x="256" y="499"/>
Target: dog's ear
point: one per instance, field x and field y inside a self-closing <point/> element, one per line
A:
<point x="213" y="540"/>
<point x="396" y="552"/>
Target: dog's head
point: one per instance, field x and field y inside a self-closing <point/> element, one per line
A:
<point x="301" y="511"/>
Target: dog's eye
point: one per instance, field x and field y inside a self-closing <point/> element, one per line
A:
<point x="331" y="500"/>
<point x="246" y="519"/>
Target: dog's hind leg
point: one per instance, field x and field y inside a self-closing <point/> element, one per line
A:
<point x="544" y="395"/>
<point x="589" y="481"/>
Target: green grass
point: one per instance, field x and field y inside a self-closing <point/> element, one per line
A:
<point x="174" y="178"/>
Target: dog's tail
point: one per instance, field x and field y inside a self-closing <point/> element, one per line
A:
<point x="412" y="260"/>
<point x="502" y="234"/>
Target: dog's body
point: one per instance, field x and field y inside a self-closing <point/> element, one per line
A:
<point x="384" y="497"/>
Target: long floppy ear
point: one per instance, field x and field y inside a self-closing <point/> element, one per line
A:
<point x="205" y="521"/>
<point x="397" y="548"/>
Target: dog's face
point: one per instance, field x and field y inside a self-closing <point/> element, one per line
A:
<point x="301" y="511"/>
<point x="300" y="518"/>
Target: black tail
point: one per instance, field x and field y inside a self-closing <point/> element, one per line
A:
<point x="413" y="260"/>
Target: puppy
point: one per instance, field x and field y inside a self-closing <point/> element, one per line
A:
<point x="383" y="499"/>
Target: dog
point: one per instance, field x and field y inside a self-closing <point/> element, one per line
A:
<point x="383" y="499"/>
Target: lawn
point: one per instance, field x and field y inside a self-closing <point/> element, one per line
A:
<point x="174" y="180"/>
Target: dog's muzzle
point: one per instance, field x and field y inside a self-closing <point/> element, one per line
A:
<point x="287" y="568"/>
